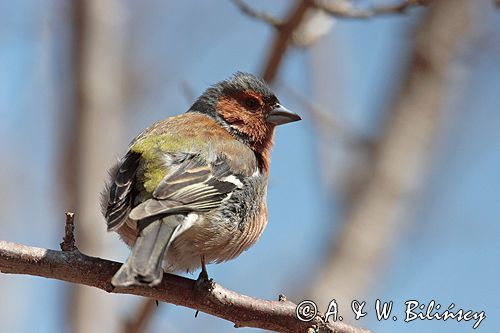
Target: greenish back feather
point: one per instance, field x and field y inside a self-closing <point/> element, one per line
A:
<point x="153" y="148"/>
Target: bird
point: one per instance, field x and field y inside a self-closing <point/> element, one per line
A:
<point x="191" y="189"/>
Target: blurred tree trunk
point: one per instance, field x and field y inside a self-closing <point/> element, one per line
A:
<point x="92" y="145"/>
<point x="376" y="214"/>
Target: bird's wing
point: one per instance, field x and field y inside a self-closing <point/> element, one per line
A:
<point x="119" y="198"/>
<point x="195" y="185"/>
<point x="173" y="167"/>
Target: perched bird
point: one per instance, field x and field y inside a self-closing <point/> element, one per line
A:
<point x="192" y="188"/>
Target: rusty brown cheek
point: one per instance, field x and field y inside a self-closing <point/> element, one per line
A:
<point x="252" y="124"/>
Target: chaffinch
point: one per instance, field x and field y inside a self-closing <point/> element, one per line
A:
<point x="192" y="188"/>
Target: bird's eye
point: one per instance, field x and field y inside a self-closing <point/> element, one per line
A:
<point x="252" y="103"/>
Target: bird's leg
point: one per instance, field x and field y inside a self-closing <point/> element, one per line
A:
<point x="203" y="283"/>
<point x="203" y="274"/>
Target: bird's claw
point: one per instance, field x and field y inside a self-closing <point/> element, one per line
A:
<point x="203" y="282"/>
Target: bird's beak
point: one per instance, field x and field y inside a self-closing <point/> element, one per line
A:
<point x="280" y="115"/>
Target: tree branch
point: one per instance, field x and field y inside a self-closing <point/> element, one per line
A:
<point x="345" y="10"/>
<point x="212" y="298"/>
<point x="283" y="37"/>
<point x="261" y="16"/>
<point x="378" y="210"/>
<point x="285" y="29"/>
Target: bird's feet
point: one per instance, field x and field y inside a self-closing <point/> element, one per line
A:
<point x="204" y="283"/>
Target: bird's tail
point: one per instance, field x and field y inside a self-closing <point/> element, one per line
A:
<point x="144" y="265"/>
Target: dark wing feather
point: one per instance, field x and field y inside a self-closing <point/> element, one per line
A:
<point x="195" y="186"/>
<point x="192" y="171"/>
<point x="120" y="191"/>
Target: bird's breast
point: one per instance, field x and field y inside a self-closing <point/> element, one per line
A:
<point x="224" y="233"/>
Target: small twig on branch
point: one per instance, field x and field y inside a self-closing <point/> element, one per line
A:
<point x="341" y="10"/>
<point x="68" y="243"/>
<point x="244" y="311"/>
<point x="261" y="16"/>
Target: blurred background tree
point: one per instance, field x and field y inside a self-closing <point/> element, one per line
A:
<point x="388" y="189"/>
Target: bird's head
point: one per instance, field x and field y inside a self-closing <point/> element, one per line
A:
<point x="247" y="108"/>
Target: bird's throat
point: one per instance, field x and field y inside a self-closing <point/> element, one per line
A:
<point x="262" y="149"/>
